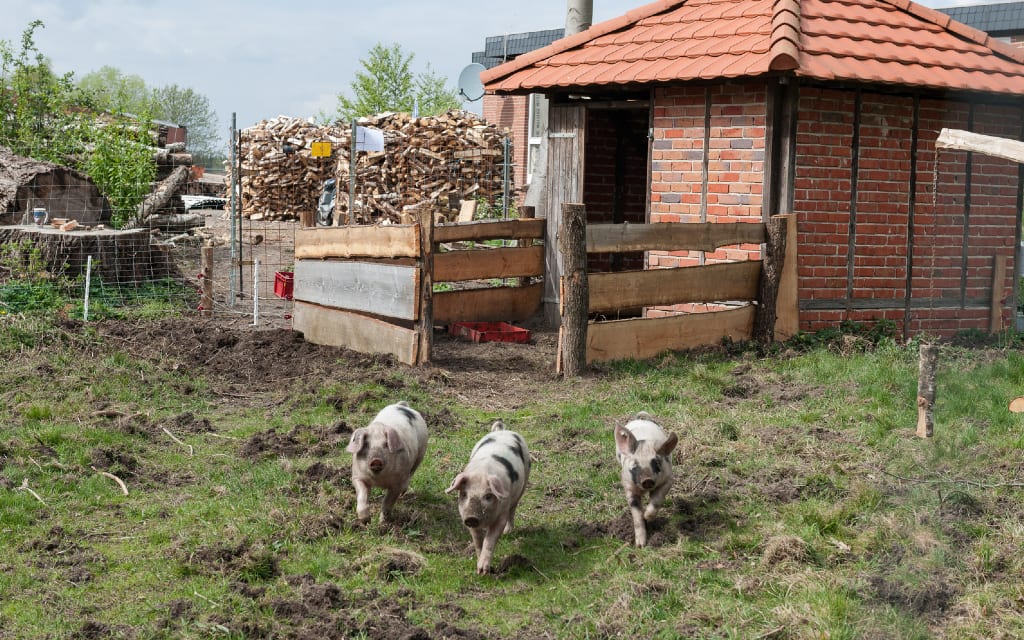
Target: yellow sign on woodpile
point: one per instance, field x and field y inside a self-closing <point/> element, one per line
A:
<point x="321" y="149"/>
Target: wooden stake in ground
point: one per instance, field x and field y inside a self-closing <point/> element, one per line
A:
<point x="574" y="294"/>
<point x="1017" y="405"/>
<point x="926" y="390"/>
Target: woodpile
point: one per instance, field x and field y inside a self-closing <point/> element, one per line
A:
<point x="432" y="161"/>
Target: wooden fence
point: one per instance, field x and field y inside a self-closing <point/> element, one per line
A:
<point x="761" y="294"/>
<point x="372" y="288"/>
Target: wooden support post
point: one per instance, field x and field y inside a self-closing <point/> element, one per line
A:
<point x="574" y="293"/>
<point x="527" y="212"/>
<point x="787" y="304"/>
<point x="771" y="276"/>
<point x="206" y="302"/>
<point x="426" y="317"/>
<point x="995" y="315"/>
<point x="307" y="218"/>
<point x="926" y="390"/>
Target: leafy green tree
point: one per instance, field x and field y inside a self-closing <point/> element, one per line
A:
<point x="46" y="117"/>
<point x="37" y="114"/>
<point x="113" y="91"/>
<point x="192" y="110"/>
<point x="387" y="83"/>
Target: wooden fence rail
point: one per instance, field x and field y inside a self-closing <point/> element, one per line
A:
<point x="756" y="303"/>
<point x="372" y="288"/>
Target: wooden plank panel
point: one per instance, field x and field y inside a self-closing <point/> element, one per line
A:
<point x="481" y="264"/>
<point x="371" y="241"/>
<point x="369" y="287"/>
<point x="663" y="287"/>
<point x="671" y="236"/>
<point x="491" y="230"/>
<point x="565" y="168"/>
<point x="647" y="337"/>
<point x="337" y="328"/>
<point x="493" y="304"/>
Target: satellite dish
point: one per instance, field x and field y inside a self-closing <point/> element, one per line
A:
<point x="470" y="86"/>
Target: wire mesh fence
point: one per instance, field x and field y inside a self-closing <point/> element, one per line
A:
<point x="73" y="262"/>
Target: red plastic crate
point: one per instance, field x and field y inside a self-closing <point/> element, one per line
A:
<point x="489" y="332"/>
<point x="283" y="283"/>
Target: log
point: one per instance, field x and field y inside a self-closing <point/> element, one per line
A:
<point x="119" y="256"/>
<point x="572" y="332"/>
<point x="172" y="186"/>
<point x="976" y="142"/>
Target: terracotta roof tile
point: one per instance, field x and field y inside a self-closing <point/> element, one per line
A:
<point x="872" y="41"/>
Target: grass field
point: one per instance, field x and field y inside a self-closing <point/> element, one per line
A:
<point x="803" y="505"/>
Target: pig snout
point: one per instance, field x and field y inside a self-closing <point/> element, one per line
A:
<point x="647" y="483"/>
<point x="376" y="465"/>
<point x="471" y="521"/>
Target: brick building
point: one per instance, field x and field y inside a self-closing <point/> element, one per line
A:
<point x="720" y="110"/>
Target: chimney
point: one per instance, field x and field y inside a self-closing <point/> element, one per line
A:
<point x="579" y="15"/>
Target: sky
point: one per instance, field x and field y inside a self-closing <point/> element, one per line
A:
<point x="258" y="59"/>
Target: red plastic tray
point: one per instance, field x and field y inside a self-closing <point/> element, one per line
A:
<point x="489" y="332"/>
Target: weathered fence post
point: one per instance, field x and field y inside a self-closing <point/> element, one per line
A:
<point x="926" y="390"/>
<point x="995" y="317"/>
<point x="771" y="275"/>
<point x="527" y="212"/>
<point x="426" y="321"/>
<point x="206" y="302"/>
<point x="573" y="290"/>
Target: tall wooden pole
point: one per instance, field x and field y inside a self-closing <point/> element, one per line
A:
<point x="771" y="276"/>
<point x="426" y="322"/>
<point x="926" y="390"/>
<point x="574" y="292"/>
<point x="206" y="302"/>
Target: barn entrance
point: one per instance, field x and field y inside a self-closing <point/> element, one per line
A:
<point x="615" y="175"/>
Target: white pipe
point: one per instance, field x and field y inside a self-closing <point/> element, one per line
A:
<point x="255" y="292"/>
<point x="88" y="282"/>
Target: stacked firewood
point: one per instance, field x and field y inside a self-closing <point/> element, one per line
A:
<point x="430" y="162"/>
<point x="279" y="175"/>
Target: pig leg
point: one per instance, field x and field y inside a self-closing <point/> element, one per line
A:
<point x="362" y="500"/>
<point x="657" y="497"/>
<point x="478" y="540"/>
<point x="483" y="563"/>
<point x="390" y="498"/>
<point x="639" y="525"/>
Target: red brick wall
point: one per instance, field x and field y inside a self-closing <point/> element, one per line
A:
<point x="512" y="113"/>
<point x="733" y="192"/>
<point x="944" y="297"/>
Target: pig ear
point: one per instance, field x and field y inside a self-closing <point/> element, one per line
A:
<point x="669" y="444"/>
<point x="499" y="486"/>
<point x="457" y="483"/>
<point x="394" y="442"/>
<point x="356" y="443"/>
<point x="624" y="440"/>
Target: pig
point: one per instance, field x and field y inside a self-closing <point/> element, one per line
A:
<point x="490" y="487"/>
<point x="386" y="454"/>
<point x="644" y="452"/>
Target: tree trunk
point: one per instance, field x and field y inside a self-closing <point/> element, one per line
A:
<point x="122" y="257"/>
<point x="575" y="294"/>
<point x="771" y="276"/>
